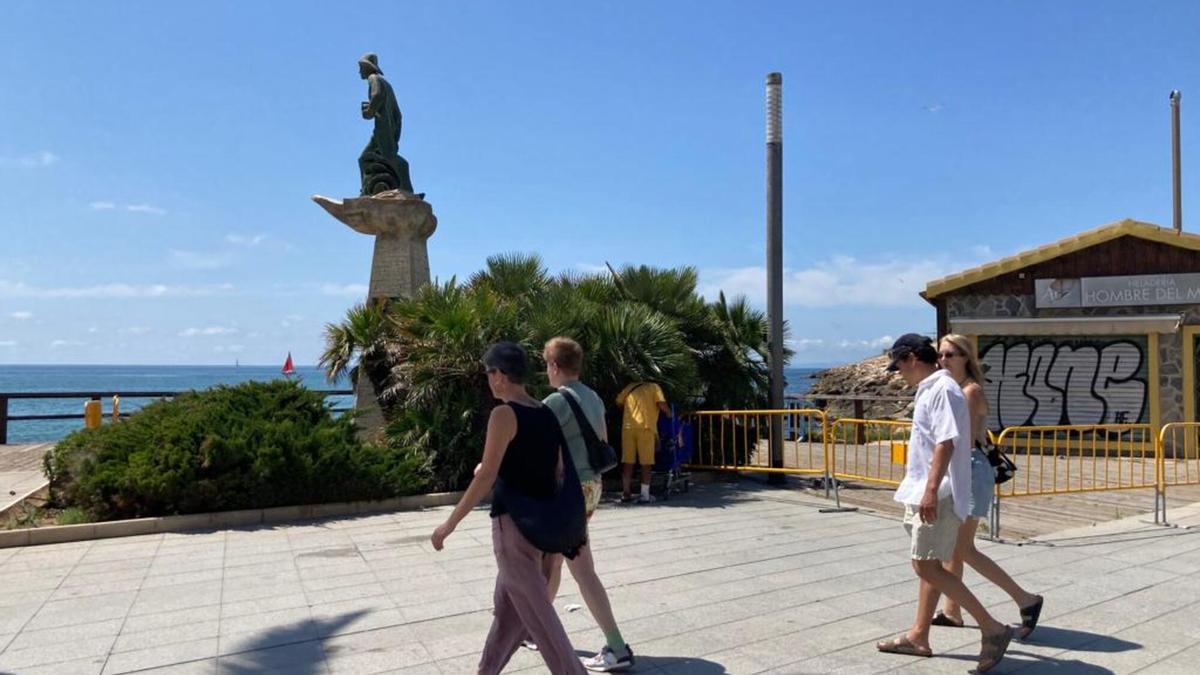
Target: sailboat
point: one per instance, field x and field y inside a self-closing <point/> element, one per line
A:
<point x="288" y="368"/>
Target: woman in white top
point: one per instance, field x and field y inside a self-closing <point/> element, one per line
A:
<point x="956" y="354"/>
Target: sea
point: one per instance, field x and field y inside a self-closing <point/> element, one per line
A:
<point x="61" y="378"/>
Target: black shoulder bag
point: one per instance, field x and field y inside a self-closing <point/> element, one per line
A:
<point x="556" y="524"/>
<point x="1004" y="467"/>
<point x="601" y="455"/>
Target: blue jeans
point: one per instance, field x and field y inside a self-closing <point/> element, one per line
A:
<point x="983" y="484"/>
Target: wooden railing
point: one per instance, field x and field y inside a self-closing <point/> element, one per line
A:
<point x="6" y="396"/>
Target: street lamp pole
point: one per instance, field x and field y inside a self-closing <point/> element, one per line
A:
<point x="775" y="263"/>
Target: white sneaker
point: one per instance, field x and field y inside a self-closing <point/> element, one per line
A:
<point x="605" y="661"/>
<point x="646" y="499"/>
<point x="530" y="645"/>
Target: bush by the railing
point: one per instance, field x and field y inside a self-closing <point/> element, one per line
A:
<point x="254" y="445"/>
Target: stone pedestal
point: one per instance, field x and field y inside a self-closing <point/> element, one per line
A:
<point x="401" y="223"/>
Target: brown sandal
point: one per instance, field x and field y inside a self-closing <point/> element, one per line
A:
<point x="993" y="649"/>
<point x="902" y="645"/>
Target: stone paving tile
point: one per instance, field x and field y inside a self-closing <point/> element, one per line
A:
<point x="157" y="657"/>
<point x="48" y="637"/>
<point x="32" y="659"/>
<point x="81" y="610"/>
<point x="762" y="584"/>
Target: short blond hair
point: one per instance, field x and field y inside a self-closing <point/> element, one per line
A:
<point x="565" y="353"/>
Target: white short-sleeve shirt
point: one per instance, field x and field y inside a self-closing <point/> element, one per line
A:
<point x="940" y="414"/>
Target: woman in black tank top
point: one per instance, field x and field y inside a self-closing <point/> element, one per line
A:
<point x="525" y="448"/>
<point x="530" y="462"/>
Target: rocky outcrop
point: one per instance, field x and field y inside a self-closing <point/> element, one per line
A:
<point x="868" y="379"/>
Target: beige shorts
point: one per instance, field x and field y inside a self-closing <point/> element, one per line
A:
<point x="933" y="541"/>
<point x="592" y="489"/>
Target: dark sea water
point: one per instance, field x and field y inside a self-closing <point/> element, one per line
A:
<point x="125" y="378"/>
<point x="164" y="379"/>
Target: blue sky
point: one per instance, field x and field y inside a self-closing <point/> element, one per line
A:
<point x="157" y="158"/>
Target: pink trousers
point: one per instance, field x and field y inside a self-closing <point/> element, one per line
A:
<point x="522" y="608"/>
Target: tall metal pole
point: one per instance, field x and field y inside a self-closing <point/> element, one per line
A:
<point x="775" y="261"/>
<point x="1175" y="164"/>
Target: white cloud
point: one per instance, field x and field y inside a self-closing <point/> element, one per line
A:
<point x="197" y="260"/>
<point x="245" y="239"/>
<point x="66" y="343"/>
<point x="102" y="206"/>
<point x="137" y="330"/>
<point x="93" y="329"/>
<point x="591" y="268"/>
<point x="10" y="289"/>
<point x="33" y="160"/>
<point x="231" y="349"/>
<point x="22" y="316"/>
<point x="356" y="290"/>
<point x="839" y="281"/>
<point x="211" y="330"/>
<point x="291" y="319"/>
<point x="8" y="343"/>
<point x="801" y="345"/>
<point x="145" y="208"/>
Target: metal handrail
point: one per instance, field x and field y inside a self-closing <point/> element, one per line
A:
<point x="6" y="396"/>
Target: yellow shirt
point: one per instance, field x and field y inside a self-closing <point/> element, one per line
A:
<point x="640" y="401"/>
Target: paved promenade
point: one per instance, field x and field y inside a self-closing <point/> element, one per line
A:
<point x="731" y="578"/>
<point x="20" y="472"/>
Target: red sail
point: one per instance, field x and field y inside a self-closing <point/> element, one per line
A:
<point x="287" y="366"/>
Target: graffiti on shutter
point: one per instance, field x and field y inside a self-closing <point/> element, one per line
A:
<point x="1065" y="380"/>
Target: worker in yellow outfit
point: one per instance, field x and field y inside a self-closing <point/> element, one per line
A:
<point x="642" y="402"/>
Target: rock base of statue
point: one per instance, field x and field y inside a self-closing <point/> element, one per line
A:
<point x="401" y="223"/>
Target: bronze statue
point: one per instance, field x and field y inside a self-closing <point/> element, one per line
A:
<point x="380" y="165"/>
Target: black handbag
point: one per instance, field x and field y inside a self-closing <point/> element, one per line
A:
<point x="1004" y="467"/>
<point x="601" y="455"/>
<point x="555" y="524"/>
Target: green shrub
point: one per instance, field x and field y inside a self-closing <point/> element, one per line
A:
<point x="254" y="445"/>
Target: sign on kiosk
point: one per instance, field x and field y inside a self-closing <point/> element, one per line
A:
<point x="1145" y="289"/>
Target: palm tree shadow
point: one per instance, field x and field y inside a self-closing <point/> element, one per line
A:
<point x="293" y="648"/>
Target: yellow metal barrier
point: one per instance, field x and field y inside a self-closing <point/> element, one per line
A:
<point x="873" y="451"/>
<point x="1079" y="458"/>
<point x="1179" y="462"/>
<point x="740" y="440"/>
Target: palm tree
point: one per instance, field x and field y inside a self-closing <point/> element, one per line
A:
<point x="639" y="324"/>
<point x="357" y="344"/>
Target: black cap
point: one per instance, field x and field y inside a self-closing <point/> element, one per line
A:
<point x="904" y="345"/>
<point x="508" y="358"/>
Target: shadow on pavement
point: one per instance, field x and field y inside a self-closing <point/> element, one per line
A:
<point x="1077" y="640"/>
<point x="671" y="664"/>
<point x="1058" y="638"/>
<point x="715" y="495"/>
<point x="294" y="648"/>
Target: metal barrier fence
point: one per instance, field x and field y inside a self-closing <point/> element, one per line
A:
<point x="1051" y="460"/>
<point x="740" y="440"/>
<point x="873" y="451"/>
<point x="1065" y="459"/>
<point x="1178" y="459"/>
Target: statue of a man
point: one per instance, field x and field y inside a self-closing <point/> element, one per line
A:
<point x="380" y="165"/>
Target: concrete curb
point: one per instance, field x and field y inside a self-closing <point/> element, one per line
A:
<point x="57" y="534"/>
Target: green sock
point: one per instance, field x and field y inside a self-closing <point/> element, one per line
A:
<point x="615" y="641"/>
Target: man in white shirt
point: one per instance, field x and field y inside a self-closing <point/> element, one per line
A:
<point x="936" y="494"/>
